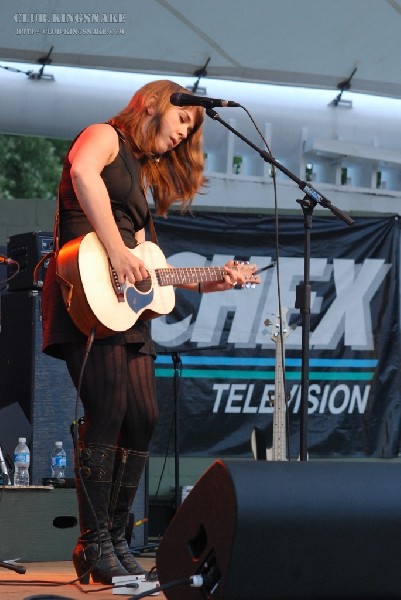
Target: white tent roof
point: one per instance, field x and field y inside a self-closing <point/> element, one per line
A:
<point x="312" y="43"/>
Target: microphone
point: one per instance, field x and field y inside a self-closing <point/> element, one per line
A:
<point x="190" y="100"/>
<point x="7" y="261"/>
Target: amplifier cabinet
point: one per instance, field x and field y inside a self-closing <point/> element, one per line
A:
<point x="39" y="383"/>
<point x="27" y="249"/>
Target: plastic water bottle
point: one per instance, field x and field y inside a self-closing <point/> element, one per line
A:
<point x="59" y="461"/>
<point x="22" y="461"/>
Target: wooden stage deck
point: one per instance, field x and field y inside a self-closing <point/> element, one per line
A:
<point x="54" y="579"/>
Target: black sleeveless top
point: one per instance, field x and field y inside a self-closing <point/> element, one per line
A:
<point x="131" y="212"/>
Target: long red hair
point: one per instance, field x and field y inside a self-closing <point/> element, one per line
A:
<point x="177" y="175"/>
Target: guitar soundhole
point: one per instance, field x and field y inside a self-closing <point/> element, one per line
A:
<point x="143" y="286"/>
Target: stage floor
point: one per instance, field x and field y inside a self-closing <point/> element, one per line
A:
<point x="53" y="578"/>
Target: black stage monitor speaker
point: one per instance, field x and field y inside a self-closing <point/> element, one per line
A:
<point x="277" y="530"/>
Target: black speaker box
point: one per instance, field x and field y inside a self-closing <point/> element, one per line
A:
<point x="38" y="383"/>
<point x="42" y="388"/>
<point x="27" y="249"/>
<point x="272" y="530"/>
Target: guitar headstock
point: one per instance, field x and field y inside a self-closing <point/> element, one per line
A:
<point x="280" y="328"/>
<point x="248" y="271"/>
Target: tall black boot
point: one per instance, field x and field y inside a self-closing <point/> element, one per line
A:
<point x="127" y="474"/>
<point x="94" y="551"/>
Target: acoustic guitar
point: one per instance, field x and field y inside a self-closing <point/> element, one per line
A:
<point x="96" y="301"/>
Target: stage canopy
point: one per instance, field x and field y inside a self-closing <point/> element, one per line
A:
<point x="314" y="43"/>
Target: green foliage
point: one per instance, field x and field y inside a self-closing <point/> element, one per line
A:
<point x="30" y="167"/>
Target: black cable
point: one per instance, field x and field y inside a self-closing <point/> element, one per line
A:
<point x="166" y="454"/>
<point x="89" y="344"/>
<point x="13" y="263"/>
<point x="177" y="383"/>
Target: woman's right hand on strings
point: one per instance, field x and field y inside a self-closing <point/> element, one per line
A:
<point x="127" y="266"/>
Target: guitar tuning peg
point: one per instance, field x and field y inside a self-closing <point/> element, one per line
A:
<point x="267" y="322"/>
<point x="249" y="285"/>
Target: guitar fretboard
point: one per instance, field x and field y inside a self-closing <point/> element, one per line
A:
<point x="172" y="276"/>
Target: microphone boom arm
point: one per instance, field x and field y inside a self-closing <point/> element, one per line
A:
<point x="313" y="195"/>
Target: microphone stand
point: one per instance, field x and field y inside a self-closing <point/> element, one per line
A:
<point x="3" y="469"/>
<point x="177" y="365"/>
<point x="13" y="567"/>
<point x="303" y="290"/>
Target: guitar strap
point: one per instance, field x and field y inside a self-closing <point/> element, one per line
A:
<point x="152" y="230"/>
<point x="127" y="145"/>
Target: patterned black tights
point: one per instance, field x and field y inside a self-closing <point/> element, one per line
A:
<point x="118" y="394"/>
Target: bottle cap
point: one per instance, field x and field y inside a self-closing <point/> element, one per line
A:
<point x="22" y="440"/>
<point x="59" y="444"/>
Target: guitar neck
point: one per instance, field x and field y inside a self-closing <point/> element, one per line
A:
<point x="183" y="275"/>
<point x="279" y="449"/>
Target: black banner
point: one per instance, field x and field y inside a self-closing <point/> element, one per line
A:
<point x="217" y="354"/>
